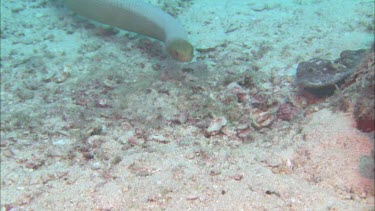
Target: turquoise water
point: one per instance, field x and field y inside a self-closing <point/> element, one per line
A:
<point x="94" y="117"/>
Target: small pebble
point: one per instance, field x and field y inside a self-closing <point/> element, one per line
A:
<point x="216" y="125"/>
<point x="96" y="165"/>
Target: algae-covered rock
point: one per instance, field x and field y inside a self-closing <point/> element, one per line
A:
<point x="360" y="89"/>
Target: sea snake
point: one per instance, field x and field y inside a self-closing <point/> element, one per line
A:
<point x="140" y="17"/>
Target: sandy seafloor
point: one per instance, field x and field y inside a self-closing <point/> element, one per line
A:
<point x="93" y="118"/>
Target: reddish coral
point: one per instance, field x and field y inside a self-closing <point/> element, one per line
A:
<point x="365" y="125"/>
<point x="287" y="112"/>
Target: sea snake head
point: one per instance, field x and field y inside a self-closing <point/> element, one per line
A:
<point x="180" y="50"/>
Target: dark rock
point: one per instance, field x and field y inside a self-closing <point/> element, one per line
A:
<point x="351" y="58"/>
<point x="319" y="76"/>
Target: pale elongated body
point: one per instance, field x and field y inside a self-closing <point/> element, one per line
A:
<point x="140" y="17"/>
